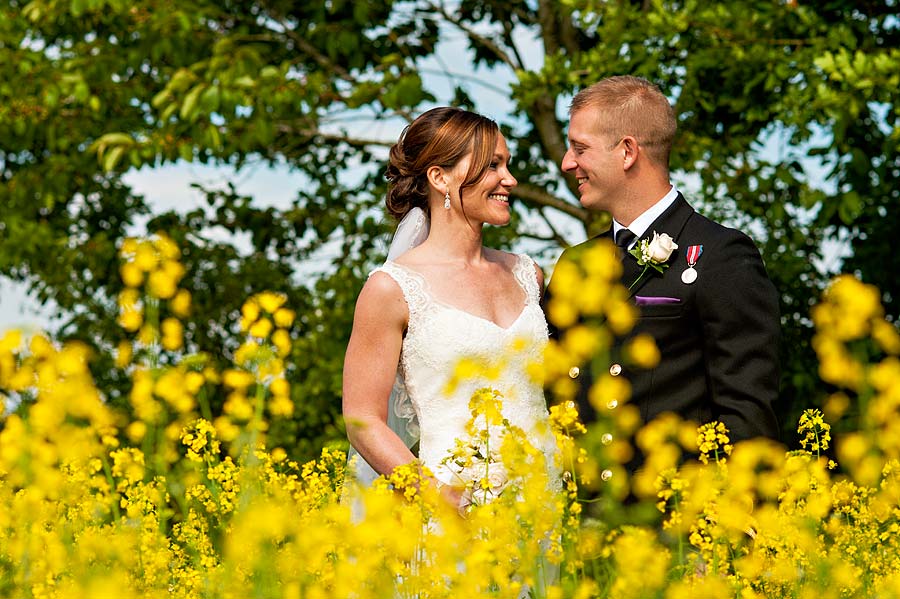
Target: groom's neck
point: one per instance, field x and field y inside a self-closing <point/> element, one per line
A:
<point x="639" y="198"/>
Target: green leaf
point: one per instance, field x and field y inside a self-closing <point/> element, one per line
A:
<point x="161" y="98"/>
<point x="186" y="152"/>
<point x="111" y="157"/>
<point x="189" y="110"/>
<point x="77" y="7"/>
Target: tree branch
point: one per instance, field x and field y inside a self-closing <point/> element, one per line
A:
<point x="568" y="34"/>
<point x="562" y="241"/>
<point x="547" y="21"/>
<point x="549" y="129"/>
<point x="475" y="36"/>
<point x="507" y="35"/>
<point x="305" y="46"/>
<point x="358" y="142"/>
<point x="555" y="239"/>
<point x="538" y="197"/>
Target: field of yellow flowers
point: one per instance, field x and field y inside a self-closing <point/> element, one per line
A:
<point x="174" y="502"/>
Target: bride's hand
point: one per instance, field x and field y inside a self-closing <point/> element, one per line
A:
<point x="457" y="497"/>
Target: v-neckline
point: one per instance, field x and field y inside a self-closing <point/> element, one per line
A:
<point x="427" y="289"/>
<point x="482" y="318"/>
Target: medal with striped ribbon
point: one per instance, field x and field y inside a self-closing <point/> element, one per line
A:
<point x="692" y="255"/>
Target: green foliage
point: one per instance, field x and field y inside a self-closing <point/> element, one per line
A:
<point x="788" y="118"/>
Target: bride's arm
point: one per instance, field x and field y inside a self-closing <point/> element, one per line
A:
<point x="370" y="367"/>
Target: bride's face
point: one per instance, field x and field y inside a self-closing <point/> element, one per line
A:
<point x="487" y="200"/>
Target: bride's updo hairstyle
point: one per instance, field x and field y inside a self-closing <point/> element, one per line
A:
<point x="439" y="137"/>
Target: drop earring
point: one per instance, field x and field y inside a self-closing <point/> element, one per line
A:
<point x="447" y="200"/>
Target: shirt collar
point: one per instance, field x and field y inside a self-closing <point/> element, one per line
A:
<point x="640" y="225"/>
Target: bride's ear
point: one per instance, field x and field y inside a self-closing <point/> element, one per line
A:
<point x="438" y="179"/>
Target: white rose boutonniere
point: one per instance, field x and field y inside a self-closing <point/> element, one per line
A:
<point x="653" y="254"/>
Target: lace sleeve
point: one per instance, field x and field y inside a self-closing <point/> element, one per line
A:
<point x="525" y="274"/>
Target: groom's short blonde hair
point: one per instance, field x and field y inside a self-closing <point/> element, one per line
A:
<point x="627" y="105"/>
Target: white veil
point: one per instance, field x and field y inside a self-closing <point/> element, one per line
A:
<point x="402" y="419"/>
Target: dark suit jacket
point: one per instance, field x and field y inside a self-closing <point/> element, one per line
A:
<point x="719" y="342"/>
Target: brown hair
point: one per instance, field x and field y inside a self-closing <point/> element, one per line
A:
<point x="633" y="106"/>
<point x="439" y="137"/>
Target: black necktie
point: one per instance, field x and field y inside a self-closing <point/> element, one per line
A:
<point x="624" y="238"/>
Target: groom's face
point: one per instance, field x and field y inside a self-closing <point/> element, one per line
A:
<point x="594" y="161"/>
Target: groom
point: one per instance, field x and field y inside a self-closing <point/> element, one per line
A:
<point x="713" y="311"/>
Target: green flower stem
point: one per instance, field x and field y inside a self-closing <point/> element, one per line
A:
<point x="151" y="318"/>
<point x="203" y="400"/>
<point x="259" y="402"/>
<point x="112" y="485"/>
<point x="640" y="276"/>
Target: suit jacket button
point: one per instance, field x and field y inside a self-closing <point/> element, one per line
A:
<point x="574" y="372"/>
<point x="615" y="369"/>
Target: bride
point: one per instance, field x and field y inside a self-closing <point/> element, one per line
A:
<point x="444" y="298"/>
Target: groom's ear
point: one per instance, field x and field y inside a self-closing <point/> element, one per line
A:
<point x="437" y="179"/>
<point x="630" y="149"/>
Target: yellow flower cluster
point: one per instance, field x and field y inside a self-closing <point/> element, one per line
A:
<point x="152" y="264"/>
<point x="264" y="317"/>
<point x="712" y="438"/>
<point x="816" y="432"/>
<point x="200" y="441"/>
<point x="161" y="502"/>
<point x="267" y="322"/>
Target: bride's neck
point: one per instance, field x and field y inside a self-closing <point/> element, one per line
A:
<point x="457" y="241"/>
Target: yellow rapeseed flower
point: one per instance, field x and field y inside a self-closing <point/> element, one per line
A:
<point x="124" y="353"/>
<point x="281" y="405"/>
<point x="237" y="379"/>
<point x="129" y="247"/>
<point x="271" y="301"/>
<point x="621" y="315"/>
<point x="261" y="328"/>
<point x="180" y="304"/>
<point x="815" y="431"/>
<point x="131" y="275"/>
<point x="642" y="351"/>
<point x="562" y="312"/>
<point x="172" y="334"/>
<point x="145" y="256"/>
<point x="136" y="431"/>
<point x="284" y="318"/>
<point x="281" y="339"/>
<point x="167" y="248"/>
<point x="130" y="320"/>
<point x="162" y="284"/>
<point x="41" y="347"/>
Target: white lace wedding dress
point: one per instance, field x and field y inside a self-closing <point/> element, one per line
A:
<point x="438" y="337"/>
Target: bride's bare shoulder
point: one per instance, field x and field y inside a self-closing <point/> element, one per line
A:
<point x="383" y="285"/>
<point x="507" y="259"/>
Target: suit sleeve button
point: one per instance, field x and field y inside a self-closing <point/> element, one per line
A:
<point x="615" y="369"/>
<point x="574" y="372"/>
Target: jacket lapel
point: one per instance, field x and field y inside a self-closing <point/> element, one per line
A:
<point x="672" y="221"/>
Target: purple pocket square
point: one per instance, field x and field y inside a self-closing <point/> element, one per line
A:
<point x="642" y="300"/>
